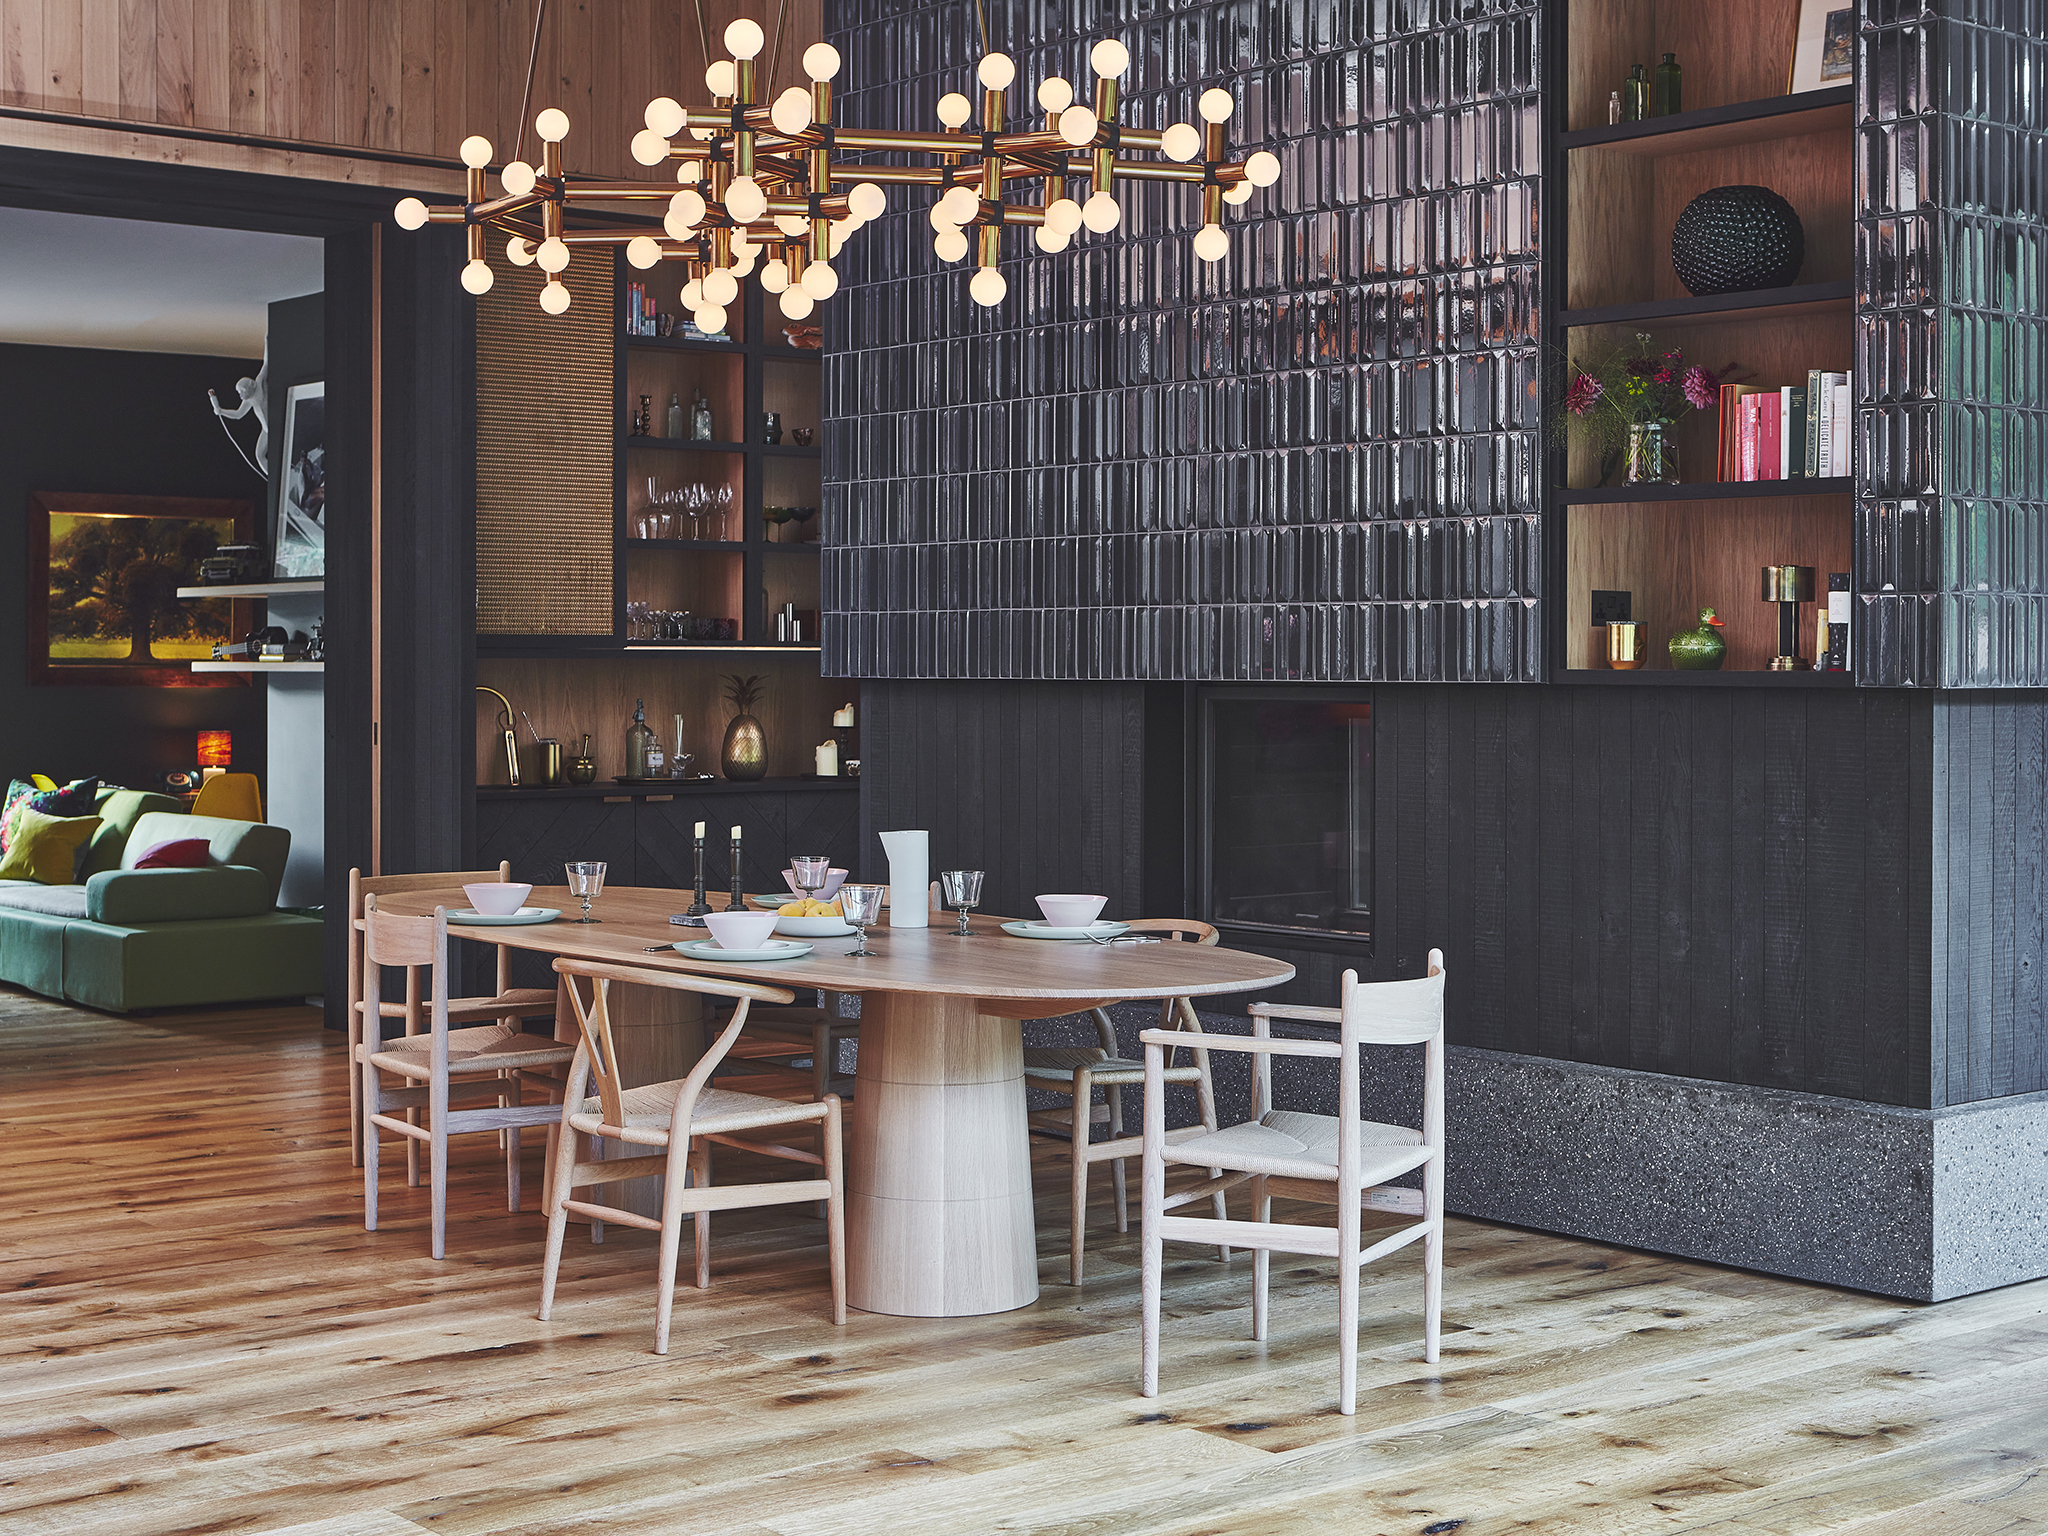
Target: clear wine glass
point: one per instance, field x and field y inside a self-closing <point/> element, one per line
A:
<point x="810" y="874"/>
<point x="861" y="904"/>
<point x="723" y="497"/>
<point x="587" y="881"/>
<point x="963" y="890"/>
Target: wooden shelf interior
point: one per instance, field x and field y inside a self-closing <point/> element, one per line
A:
<point x="666" y="281"/>
<point x="674" y="470"/>
<point x="1731" y="50"/>
<point x="792" y="389"/>
<point x="707" y="583"/>
<point x="661" y="375"/>
<point x="1676" y="559"/>
<point x="790" y="581"/>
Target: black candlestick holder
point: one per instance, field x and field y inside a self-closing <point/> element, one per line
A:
<point x="738" y="903"/>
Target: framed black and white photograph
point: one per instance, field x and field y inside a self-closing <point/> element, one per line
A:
<point x="1825" y="53"/>
<point x="302" y="493"/>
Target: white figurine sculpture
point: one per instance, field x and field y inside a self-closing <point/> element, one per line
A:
<point x="255" y="396"/>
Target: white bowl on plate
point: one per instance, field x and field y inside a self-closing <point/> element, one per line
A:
<point x="834" y="878"/>
<point x="1071" y="911"/>
<point x="813" y="927"/>
<point x="740" y="930"/>
<point x="496" y="898"/>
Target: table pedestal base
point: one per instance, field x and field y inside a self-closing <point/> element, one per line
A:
<point x="938" y="1180"/>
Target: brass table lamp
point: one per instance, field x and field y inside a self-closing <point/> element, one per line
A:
<point x="1788" y="586"/>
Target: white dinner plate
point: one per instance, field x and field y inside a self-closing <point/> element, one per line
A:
<point x="1100" y="929"/>
<point x="711" y="949"/>
<point x="523" y="916"/>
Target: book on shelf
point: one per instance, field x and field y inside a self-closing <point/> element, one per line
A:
<point x="1790" y="432"/>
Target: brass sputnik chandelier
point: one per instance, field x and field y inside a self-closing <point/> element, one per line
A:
<point x="764" y="188"/>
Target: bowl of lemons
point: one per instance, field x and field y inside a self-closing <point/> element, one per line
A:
<point x="806" y="918"/>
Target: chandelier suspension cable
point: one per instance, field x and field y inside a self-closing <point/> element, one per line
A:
<point x="775" y="53"/>
<point x="703" y="35"/>
<point x="540" y="11"/>
<point x="777" y="185"/>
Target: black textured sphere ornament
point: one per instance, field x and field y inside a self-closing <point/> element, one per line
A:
<point x="1737" y="238"/>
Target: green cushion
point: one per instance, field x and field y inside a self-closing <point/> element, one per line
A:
<point x="119" y="809"/>
<point x="130" y="896"/>
<point x="184" y="965"/>
<point x="251" y="843"/>
<point x="44" y="848"/>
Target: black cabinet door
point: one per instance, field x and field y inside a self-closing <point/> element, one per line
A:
<point x="777" y="826"/>
<point x="539" y="837"/>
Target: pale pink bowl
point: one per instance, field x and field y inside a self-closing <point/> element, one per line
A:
<point x="834" y="878"/>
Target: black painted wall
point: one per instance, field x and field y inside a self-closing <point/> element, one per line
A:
<point x="79" y="419"/>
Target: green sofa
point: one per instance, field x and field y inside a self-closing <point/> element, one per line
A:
<point x="122" y="938"/>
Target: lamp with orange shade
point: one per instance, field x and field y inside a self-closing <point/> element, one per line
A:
<point x="216" y="751"/>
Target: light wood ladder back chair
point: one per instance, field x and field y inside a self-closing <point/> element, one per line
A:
<point x="680" y="1120"/>
<point x="507" y="1005"/>
<point x="1078" y="1070"/>
<point x="1336" y="1159"/>
<point x="428" y="1065"/>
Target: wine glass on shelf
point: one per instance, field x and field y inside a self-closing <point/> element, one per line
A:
<point x="723" y="498"/>
<point x="963" y="890"/>
<point x="861" y="905"/>
<point x="586" y="879"/>
<point x="803" y="516"/>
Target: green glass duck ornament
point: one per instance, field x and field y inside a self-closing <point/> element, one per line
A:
<point x="1702" y="649"/>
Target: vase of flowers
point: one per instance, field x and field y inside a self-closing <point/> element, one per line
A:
<point x="1625" y="403"/>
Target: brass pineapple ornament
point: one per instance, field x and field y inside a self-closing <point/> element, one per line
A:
<point x="745" y="754"/>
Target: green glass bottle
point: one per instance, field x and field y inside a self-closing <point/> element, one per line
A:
<point x="1635" y="96"/>
<point x="1666" y="92"/>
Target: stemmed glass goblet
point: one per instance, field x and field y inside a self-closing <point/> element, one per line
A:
<point x="586" y="880"/>
<point x="861" y="904"/>
<point x="963" y="890"/>
<point x="810" y="874"/>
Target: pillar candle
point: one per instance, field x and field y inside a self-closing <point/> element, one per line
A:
<point x="828" y="760"/>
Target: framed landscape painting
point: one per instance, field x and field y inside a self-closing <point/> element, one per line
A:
<point x="103" y="579"/>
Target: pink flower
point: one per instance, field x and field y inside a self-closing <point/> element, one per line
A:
<point x="1702" y="388"/>
<point x="1583" y="392"/>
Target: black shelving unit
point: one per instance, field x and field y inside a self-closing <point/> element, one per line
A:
<point x="1672" y="677"/>
<point x="1706" y="490"/>
<point x="1743" y="122"/>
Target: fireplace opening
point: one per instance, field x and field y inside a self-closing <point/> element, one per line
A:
<point x="1286" y="797"/>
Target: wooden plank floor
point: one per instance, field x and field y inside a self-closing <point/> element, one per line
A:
<point x="199" y="1336"/>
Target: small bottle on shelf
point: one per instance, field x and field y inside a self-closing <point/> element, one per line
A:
<point x="1635" y="96"/>
<point x="700" y="417"/>
<point x="1613" y="108"/>
<point x="639" y="742"/>
<point x="1666" y="93"/>
<point x="675" y="416"/>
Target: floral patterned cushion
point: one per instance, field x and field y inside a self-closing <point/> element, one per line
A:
<point x="74" y="799"/>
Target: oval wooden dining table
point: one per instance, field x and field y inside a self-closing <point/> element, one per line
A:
<point x="938" y="1172"/>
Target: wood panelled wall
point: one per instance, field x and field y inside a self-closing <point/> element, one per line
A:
<point x="414" y="76"/>
<point x="1729" y="884"/>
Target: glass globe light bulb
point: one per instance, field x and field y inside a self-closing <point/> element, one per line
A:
<point x="678" y="228"/>
<point x="744" y="200"/>
<point x="742" y="245"/>
<point x="649" y="147"/>
<point x="720" y="78"/>
<point x="746" y="263"/>
<point x="949" y="245"/>
<point x="1212" y="244"/>
<point x="518" y="252"/>
<point x="1238" y="192"/>
<point x="711" y="319"/>
<point x="836" y="237"/>
<point x="796" y="303"/>
<point x="954" y="109"/>
<point x="821" y="61"/>
<point x="941" y="220"/>
<point x="410" y="213"/>
<point x="1216" y="105"/>
<point x="820" y="281"/>
<point x="1102" y="213"/>
<point x="793" y="225"/>
<point x="476" y="154"/>
<point x="553" y="126"/>
<point x="1263" y="169"/>
<point x="867" y="201"/>
<point x="517" y="178"/>
<point x="690" y="172"/>
<point x="476" y="277"/>
<point x="643" y="251"/>
<point x="688" y="205"/>
<point x="1109" y="57"/>
<point x="553" y="255"/>
<point x="791" y="113"/>
<point x="743" y="39"/>
<point x="774" y="275"/>
<point x="1063" y="215"/>
<point x="1055" y="94"/>
<point x="554" y="298"/>
<point x="988" y="287"/>
<point x="664" y="115"/>
<point x="1078" y="125"/>
<point x="996" y="71"/>
<point x="1050" y="239"/>
<point x="693" y="294"/>
<point x="702" y="134"/>
<point x="720" y="288"/>
<point x="1183" y="141"/>
<point x="960" y="204"/>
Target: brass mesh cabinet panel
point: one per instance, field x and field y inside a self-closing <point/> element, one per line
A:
<point x="544" y="454"/>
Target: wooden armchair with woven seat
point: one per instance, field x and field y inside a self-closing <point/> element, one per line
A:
<point x="679" y="1122"/>
<point x="1079" y="1070"/>
<point x="429" y="1064"/>
<point x="493" y="1020"/>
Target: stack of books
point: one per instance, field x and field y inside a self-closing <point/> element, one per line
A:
<point x="639" y="310"/>
<point x="1793" y="432"/>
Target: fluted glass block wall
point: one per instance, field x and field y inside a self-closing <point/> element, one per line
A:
<point x="1952" y="338"/>
<point x="1319" y="459"/>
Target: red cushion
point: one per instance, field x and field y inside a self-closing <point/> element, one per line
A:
<point x="185" y="853"/>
